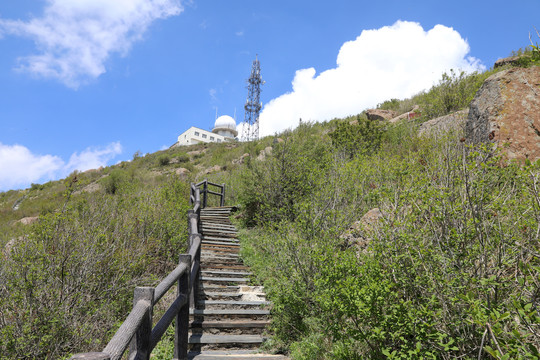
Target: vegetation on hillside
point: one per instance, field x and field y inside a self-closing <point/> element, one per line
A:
<point x="450" y="270"/>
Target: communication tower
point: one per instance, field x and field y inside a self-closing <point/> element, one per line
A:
<point x="253" y="103"/>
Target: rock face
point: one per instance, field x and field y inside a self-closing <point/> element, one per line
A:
<point x="378" y="114"/>
<point x="506" y="111"/>
<point x="358" y="234"/>
<point x="506" y="61"/>
<point x="455" y="121"/>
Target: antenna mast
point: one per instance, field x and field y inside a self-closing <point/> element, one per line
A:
<point x="253" y="103"/>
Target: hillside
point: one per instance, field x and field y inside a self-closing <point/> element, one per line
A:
<point x="445" y="265"/>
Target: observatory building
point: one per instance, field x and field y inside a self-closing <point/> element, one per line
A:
<point x="224" y="130"/>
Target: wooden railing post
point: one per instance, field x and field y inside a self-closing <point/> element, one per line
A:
<point x="196" y="260"/>
<point x="140" y="347"/>
<point x="205" y="193"/>
<point x="222" y="194"/>
<point x="182" y="318"/>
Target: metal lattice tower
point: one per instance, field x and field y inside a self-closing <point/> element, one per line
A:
<point x="253" y="103"/>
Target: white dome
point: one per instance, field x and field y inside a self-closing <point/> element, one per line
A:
<point x="225" y="122"/>
<point x="226" y="126"/>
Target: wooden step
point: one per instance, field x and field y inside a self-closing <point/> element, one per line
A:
<point x="228" y="280"/>
<point x="232" y="304"/>
<point x="233" y="355"/>
<point x="226" y="339"/>
<point x="222" y="273"/>
<point x="230" y="324"/>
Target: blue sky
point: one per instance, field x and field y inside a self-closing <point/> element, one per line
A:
<point x="85" y="83"/>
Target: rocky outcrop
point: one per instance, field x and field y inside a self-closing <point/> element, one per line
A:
<point x="182" y="172"/>
<point x="28" y="220"/>
<point x="512" y="60"/>
<point x="357" y="234"/>
<point x="213" y="169"/>
<point x="506" y="112"/>
<point x="443" y="124"/>
<point x="241" y="159"/>
<point x="409" y="115"/>
<point x="264" y="153"/>
<point x="379" y="114"/>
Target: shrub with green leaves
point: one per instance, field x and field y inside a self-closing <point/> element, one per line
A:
<point x="65" y="286"/>
<point x="450" y="271"/>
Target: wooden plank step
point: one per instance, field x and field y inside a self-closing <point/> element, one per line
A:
<point x="226" y="243"/>
<point x="216" y="249"/>
<point x="226" y="339"/>
<point x="233" y="302"/>
<point x="230" y="324"/>
<point x="221" y="246"/>
<point x="217" y="279"/>
<point x="217" y="273"/>
<point x="233" y="355"/>
<point x="220" y="288"/>
<point x="236" y="357"/>
<point x="225" y="264"/>
<point x="222" y="294"/>
<point x="212" y="253"/>
<point x="224" y="312"/>
<point x="217" y="238"/>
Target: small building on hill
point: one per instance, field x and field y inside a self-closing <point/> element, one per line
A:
<point x="224" y="130"/>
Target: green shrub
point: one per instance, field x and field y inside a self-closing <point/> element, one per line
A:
<point x="164" y="160"/>
<point x="114" y="181"/>
<point x="361" y="137"/>
<point x="68" y="283"/>
<point x="454" y="92"/>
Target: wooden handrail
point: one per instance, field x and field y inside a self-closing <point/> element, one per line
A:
<point x="136" y="331"/>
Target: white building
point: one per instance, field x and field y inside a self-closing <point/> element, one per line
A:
<point x="224" y="130"/>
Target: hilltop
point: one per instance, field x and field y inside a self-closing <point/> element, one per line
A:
<point x="445" y="265"/>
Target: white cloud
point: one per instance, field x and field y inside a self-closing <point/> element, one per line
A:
<point x="395" y="61"/>
<point x="19" y="167"/>
<point x="75" y="38"/>
<point x="93" y="157"/>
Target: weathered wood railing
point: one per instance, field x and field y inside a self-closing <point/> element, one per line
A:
<point x="205" y="191"/>
<point x="136" y="332"/>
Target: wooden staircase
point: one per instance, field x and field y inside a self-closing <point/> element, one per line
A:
<point x="229" y="317"/>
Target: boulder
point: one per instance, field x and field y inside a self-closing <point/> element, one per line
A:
<point x="357" y="234"/>
<point x="506" y="112"/>
<point x="506" y="61"/>
<point x="213" y="169"/>
<point x="264" y="153"/>
<point x="455" y="121"/>
<point x="409" y="115"/>
<point x="379" y="114"/>
<point x="241" y="159"/>
<point x="28" y="220"/>
<point x="182" y="172"/>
